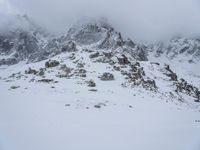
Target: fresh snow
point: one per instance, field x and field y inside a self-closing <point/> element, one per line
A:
<point x="38" y="117"/>
<point x="114" y="115"/>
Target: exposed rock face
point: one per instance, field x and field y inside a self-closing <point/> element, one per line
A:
<point x="66" y="72"/>
<point x="94" y="55"/>
<point x="6" y="45"/>
<point x="171" y="74"/>
<point x="40" y="72"/>
<point x="105" y="58"/>
<point x="69" y="47"/>
<point x="95" y="47"/>
<point x="80" y="72"/>
<point x="46" y="81"/>
<point x="14" y="87"/>
<point x="20" y="45"/>
<point x="184" y="87"/>
<point x="149" y="84"/>
<point x="103" y="36"/>
<point x="124" y="60"/>
<point x="8" y="61"/>
<point x="91" y="83"/>
<point x="85" y="34"/>
<point x="183" y="49"/>
<point x="107" y="77"/>
<point x="34" y="46"/>
<point x="51" y="63"/>
<point x="31" y="71"/>
<point x="181" y="85"/>
<point x="137" y="77"/>
<point x="108" y="54"/>
<point x="26" y="43"/>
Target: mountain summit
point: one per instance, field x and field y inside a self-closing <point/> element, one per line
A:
<point x="78" y="53"/>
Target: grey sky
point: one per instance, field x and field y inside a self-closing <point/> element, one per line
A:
<point x="139" y="19"/>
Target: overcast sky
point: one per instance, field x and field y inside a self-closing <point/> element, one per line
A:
<point x="139" y="19"/>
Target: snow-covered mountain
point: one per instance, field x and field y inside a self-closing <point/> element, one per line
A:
<point x="178" y="48"/>
<point x="22" y="42"/>
<point x="87" y="45"/>
<point x="91" y="81"/>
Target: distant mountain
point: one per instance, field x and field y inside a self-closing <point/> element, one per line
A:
<point x="178" y="48"/>
<point x="33" y="45"/>
<point x="22" y="41"/>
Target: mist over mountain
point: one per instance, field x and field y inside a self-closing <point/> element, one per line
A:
<point x="99" y="75"/>
<point x="141" y="20"/>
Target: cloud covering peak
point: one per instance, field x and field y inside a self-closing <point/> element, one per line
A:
<point x="139" y="19"/>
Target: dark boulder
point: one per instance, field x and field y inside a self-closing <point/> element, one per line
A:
<point x="52" y="63"/>
<point x="123" y="60"/>
<point x="91" y="83"/>
<point x="107" y="77"/>
<point x="94" y="55"/>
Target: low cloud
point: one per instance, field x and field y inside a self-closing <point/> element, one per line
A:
<point x="142" y="20"/>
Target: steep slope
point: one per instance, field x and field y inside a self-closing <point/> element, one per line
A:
<point x="89" y="47"/>
<point x="97" y="35"/>
<point x="20" y="43"/>
<point x="182" y="54"/>
<point x="96" y="69"/>
<point x="33" y="45"/>
<point x="92" y="89"/>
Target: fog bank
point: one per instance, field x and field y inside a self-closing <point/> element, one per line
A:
<point x="142" y="20"/>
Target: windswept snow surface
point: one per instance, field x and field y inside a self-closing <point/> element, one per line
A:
<point x="41" y="121"/>
<point x="135" y="107"/>
<point x="36" y="116"/>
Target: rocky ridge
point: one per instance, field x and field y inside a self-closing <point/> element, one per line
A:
<point x="84" y="50"/>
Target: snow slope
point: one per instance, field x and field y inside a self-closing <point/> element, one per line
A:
<point x="55" y="104"/>
<point x="37" y="116"/>
<point x="41" y="121"/>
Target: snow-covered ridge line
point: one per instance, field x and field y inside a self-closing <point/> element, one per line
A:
<point x="93" y="69"/>
<point x="34" y="45"/>
<point x="178" y="48"/>
<point x="88" y="47"/>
